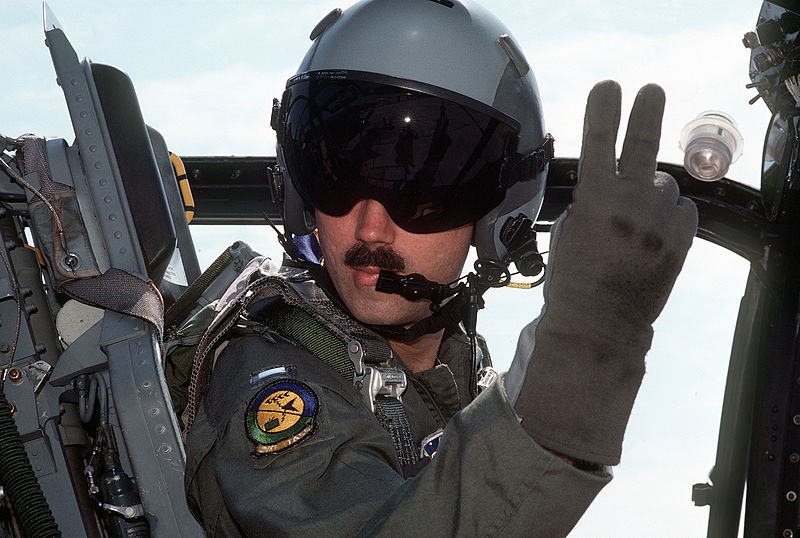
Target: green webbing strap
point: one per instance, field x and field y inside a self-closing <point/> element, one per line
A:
<point x="303" y="328"/>
<point x="178" y="312"/>
<point x="297" y="324"/>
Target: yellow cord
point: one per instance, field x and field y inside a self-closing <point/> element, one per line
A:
<point x="183" y="184"/>
<point x="520" y="285"/>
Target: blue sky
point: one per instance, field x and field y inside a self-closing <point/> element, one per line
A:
<point x="206" y="74"/>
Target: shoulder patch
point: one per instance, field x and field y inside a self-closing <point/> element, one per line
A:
<point x="281" y="415"/>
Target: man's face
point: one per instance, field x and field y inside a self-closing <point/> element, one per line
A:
<point x="359" y="244"/>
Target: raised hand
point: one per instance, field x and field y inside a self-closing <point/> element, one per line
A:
<point x="614" y="257"/>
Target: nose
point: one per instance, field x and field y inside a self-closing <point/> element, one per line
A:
<point x="373" y="225"/>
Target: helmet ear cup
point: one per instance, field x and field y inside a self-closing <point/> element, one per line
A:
<point x="523" y="197"/>
<point x="298" y="219"/>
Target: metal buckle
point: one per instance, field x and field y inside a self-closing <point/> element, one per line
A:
<point x="374" y="381"/>
<point x="381" y="381"/>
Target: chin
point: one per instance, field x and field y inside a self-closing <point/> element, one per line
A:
<point x="395" y="311"/>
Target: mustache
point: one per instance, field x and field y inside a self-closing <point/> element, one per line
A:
<point x="359" y="255"/>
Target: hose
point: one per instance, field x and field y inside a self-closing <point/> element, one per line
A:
<point x="16" y="475"/>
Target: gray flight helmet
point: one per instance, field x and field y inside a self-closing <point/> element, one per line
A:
<point x="455" y="45"/>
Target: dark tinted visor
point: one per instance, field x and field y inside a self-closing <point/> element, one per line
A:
<point x="433" y="158"/>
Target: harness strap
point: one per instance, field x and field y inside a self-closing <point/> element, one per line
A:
<point x="392" y="416"/>
<point x="309" y="333"/>
<point x="303" y="314"/>
<point x="180" y="310"/>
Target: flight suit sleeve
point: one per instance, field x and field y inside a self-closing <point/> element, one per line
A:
<point x="488" y="477"/>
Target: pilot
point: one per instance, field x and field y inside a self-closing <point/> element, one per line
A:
<point x="321" y="405"/>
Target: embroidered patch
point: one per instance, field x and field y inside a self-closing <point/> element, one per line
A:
<point x="430" y="445"/>
<point x="281" y="415"/>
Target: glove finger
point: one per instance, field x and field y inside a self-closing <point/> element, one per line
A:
<point x="639" y="151"/>
<point x="667" y="185"/>
<point x="640" y="148"/>
<point x="600" y="126"/>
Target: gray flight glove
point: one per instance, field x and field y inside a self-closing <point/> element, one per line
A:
<point x="614" y="257"/>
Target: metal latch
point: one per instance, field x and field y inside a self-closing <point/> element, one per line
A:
<point x="381" y="381"/>
<point x="374" y="381"/>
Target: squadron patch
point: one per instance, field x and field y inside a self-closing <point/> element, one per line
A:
<point x="281" y="415"/>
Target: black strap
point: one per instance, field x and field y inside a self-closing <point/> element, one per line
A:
<point x="121" y="292"/>
<point x="392" y="416"/>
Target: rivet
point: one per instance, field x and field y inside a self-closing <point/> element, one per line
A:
<point x="794" y="457"/>
<point x="796" y="419"/>
<point x="791" y="496"/>
<point x="787" y="533"/>
<point x="14" y="375"/>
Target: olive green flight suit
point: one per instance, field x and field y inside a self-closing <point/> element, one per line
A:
<point x="487" y="478"/>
